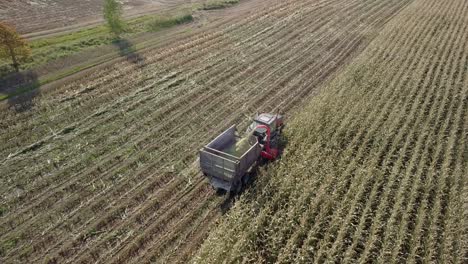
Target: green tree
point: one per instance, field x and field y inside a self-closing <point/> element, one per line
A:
<point x="113" y="16"/>
<point x="13" y="46"/>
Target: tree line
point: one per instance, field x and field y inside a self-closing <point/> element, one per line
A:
<point x="16" y="48"/>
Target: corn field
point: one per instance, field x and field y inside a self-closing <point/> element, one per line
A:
<point x="103" y="169"/>
<point x="376" y="165"/>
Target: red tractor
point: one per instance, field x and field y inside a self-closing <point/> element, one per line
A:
<point x="228" y="167"/>
<point x="267" y="128"/>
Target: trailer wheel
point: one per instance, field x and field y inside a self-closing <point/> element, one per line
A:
<point x="220" y="191"/>
<point x="237" y="188"/>
<point x="245" y="180"/>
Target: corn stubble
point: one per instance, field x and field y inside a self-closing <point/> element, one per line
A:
<point x="103" y="169"/>
<point x="376" y="166"/>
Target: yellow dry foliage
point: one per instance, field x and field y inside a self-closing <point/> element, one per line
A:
<point x="13" y="46"/>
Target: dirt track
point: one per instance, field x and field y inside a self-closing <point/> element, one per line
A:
<point x="104" y="168"/>
<point x="43" y="17"/>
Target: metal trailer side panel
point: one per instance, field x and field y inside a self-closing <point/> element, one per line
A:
<point x="216" y="163"/>
<point x="217" y="166"/>
<point x="249" y="158"/>
<point x="224" y="139"/>
<point x="223" y="169"/>
<point x="221" y="154"/>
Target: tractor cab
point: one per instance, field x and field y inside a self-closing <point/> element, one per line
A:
<point x="274" y="122"/>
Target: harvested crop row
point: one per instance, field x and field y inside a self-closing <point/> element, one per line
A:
<point x="143" y="112"/>
<point x="374" y="168"/>
<point x="120" y="77"/>
<point x="112" y="176"/>
<point x="133" y="106"/>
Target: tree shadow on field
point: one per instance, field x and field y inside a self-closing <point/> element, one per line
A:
<point x="127" y="49"/>
<point x="20" y="89"/>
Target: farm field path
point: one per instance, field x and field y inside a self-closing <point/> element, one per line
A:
<point x="41" y="18"/>
<point x="103" y="169"/>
